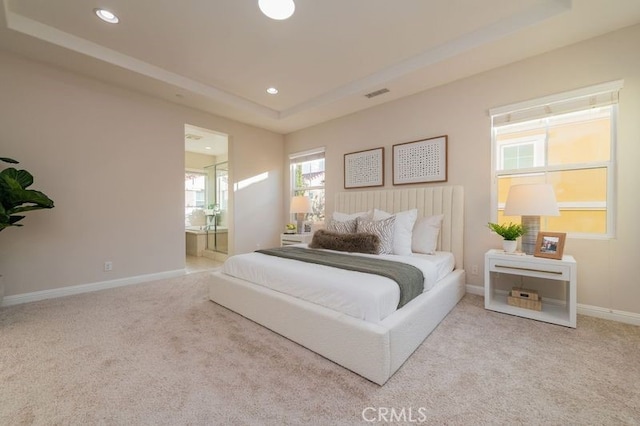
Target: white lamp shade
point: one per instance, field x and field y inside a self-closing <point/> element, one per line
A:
<point x="277" y="9"/>
<point x="534" y="199"/>
<point x="198" y="218"/>
<point x="300" y="204"/>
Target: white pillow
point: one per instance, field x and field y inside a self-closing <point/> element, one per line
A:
<point x="316" y="226"/>
<point x="382" y="228"/>
<point x="403" y="229"/>
<point x="343" y="217"/>
<point x="425" y="234"/>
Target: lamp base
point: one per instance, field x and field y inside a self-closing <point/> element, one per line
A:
<point x="299" y="219"/>
<point x="532" y="225"/>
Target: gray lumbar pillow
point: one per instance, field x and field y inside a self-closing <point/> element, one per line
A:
<point x="359" y="242"/>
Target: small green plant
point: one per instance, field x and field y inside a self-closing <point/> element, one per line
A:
<point x="509" y="231"/>
<point x="16" y="198"/>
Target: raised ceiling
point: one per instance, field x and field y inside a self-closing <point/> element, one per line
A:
<point x="220" y="56"/>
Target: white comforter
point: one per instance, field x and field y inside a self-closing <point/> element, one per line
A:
<point x="364" y="296"/>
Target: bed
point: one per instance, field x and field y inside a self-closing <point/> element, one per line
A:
<point x="374" y="349"/>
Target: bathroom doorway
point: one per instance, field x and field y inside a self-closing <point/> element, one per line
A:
<point x="207" y="198"/>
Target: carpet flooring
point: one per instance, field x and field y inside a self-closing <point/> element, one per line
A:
<point x="161" y="353"/>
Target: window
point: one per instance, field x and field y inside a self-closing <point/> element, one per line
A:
<point x="566" y="140"/>
<point x="195" y="190"/>
<point x="521" y="153"/>
<point x="221" y="171"/>
<point x="307" y="178"/>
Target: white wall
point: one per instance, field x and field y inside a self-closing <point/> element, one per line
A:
<point x="113" y="162"/>
<point x="608" y="269"/>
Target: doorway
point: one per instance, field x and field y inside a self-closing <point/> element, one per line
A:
<point x="207" y="198"/>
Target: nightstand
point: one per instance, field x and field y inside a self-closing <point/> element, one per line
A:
<point x="289" y="239"/>
<point x="561" y="272"/>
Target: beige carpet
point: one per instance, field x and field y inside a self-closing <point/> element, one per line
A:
<point x="161" y="353"/>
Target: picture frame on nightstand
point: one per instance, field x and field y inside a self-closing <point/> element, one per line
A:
<point x="550" y="245"/>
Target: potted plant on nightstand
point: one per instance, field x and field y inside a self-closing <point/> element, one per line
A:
<point x="510" y="233"/>
<point x="15" y="199"/>
<point x="290" y="228"/>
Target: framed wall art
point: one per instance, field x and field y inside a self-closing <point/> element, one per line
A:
<point x="550" y="245"/>
<point x="364" y="168"/>
<point x="420" y="161"/>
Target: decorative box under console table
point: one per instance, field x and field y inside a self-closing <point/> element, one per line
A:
<point x="563" y="272"/>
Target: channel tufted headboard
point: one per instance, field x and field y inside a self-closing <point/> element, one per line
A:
<point x="446" y="200"/>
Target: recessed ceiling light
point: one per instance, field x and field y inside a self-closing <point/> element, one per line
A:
<point x="207" y="147"/>
<point x="277" y="9"/>
<point x="107" y="16"/>
<point x="272" y="91"/>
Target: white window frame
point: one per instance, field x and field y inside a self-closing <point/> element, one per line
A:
<point x="206" y="187"/>
<point x="550" y="106"/>
<point x="302" y="156"/>
<point x="538" y="143"/>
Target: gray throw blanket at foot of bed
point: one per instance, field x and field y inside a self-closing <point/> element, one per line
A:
<point x="409" y="278"/>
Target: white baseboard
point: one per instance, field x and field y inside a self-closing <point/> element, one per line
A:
<point x="609" y="314"/>
<point x="475" y="289"/>
<point x="588" y="310"/>
<point x="85" y="288"/>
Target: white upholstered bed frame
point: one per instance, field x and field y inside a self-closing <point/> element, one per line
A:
<point x="373" y="350"/>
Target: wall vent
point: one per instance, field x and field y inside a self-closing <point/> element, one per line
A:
<point x="377" y="93"/>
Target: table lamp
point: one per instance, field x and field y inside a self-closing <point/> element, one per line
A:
<point x="198" y="218"/>
<point x="531" y="201"/>
<point x="300" y="205"/>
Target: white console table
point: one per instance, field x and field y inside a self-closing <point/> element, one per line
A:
<point x="563" y="272"/>
<point x="289" y="239"/>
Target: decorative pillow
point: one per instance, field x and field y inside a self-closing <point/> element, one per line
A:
<point x="346" y="227"/>
<point x="354" y="243"/>
<point x="382" y="228"/>
<point x="425" y="234"/>
<point x="402" y="230"/>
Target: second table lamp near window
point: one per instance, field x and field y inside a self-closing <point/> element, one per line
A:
<point x="300" y="205"/>
<point x="531" y="201"/>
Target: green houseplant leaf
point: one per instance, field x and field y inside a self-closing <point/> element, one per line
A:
<point x="16" y="198"/>
<point x="16" y="178"/>
<point x="509" y="232"/>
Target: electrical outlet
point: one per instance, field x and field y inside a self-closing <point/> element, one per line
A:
<point x="474" y="269"/>
<point x="108" y="266"/>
